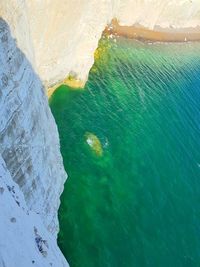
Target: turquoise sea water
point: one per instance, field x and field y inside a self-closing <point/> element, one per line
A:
<point x="138" y="203"/>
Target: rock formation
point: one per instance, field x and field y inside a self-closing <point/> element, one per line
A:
<point x="30" y="158"/>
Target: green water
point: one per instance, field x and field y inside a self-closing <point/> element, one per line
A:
<point x="138" y="202"/>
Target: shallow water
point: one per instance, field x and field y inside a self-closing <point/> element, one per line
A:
<point x="138" y="203"/>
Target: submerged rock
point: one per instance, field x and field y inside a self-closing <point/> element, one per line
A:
<point x="94" y="142"/>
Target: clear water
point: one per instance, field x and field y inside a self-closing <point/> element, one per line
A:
<point x="137" y="204"/>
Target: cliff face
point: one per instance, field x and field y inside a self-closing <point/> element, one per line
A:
<point x="30" y="157"/>
<point x="163" y="13"/>
<point x="29" y="142"/>
<point x="68" y="37"/>
<point x="24" y="241"/>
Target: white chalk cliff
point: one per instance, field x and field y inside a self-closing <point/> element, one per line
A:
<point x="41" y="43"/>
<point x="60" y="37"/>
<point x="24" y="240"/>
<point x="29" y="158"/>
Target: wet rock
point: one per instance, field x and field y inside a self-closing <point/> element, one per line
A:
<point x="13" y="220"/>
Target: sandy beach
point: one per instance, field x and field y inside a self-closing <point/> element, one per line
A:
<point x="157" y="35"/>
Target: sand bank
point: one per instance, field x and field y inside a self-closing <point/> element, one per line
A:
<point x="157" y="35"/>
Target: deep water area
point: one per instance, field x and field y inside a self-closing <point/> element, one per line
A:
<point x="130" y="142"/>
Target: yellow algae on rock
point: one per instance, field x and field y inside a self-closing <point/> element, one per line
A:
<point x="70" y="81"/>
<point x="73" y="82"/>
<point x="94" y="143"/>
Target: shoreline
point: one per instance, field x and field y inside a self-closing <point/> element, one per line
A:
<point x="71" y="82"/>
<point x="137" y="32"/>
<point x="157" y="35"/>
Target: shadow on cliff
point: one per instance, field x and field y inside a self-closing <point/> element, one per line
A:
<point x="29" y="142"/>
